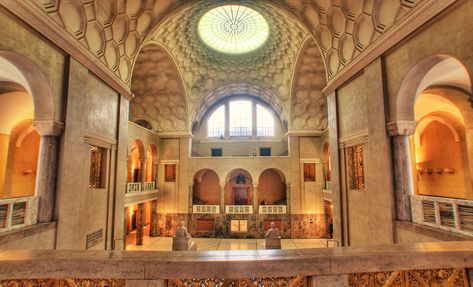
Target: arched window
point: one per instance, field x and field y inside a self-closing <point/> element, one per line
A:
<point x="246" y="119"/>
<point x="264" y="122"/>
<point x="240" y="119"/>
<point x="216" y="123"/>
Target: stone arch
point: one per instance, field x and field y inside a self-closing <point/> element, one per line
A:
<point x="454" y="125"/>
<point x="236" y="89"/>
<point x="160" y="95"/>
<point x="151" y="162"/>
<point x="18" y="69"/>
<point x="135" y="156"/>
<point x="270" y="190"/>
<point x="206" y="187"/>
<point x="308" y="80"/>
<point x="239" y="187"/>
<point x="425" y="74"/>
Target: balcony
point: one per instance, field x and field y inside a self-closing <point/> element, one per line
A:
<point x="18" y="212"/>
<point x="455" y="215"/>
<point x="420" y="264"/>
<point x="133" y="187"/>
<point x="206" y="209"/>
<point x="272" y="209"/>
<point x="238" y="209"/>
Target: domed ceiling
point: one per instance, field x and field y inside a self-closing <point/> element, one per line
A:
<point x="205" y="70"/>
<point x="112" y="31"/>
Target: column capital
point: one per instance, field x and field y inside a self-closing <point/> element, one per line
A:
<point x="401" y="128"/>
<point x="48" y="128"/>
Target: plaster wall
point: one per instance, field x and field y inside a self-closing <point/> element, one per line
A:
<point x="369" y="211"/>
<point x="439" y="150"/>
<point x="91" y="119"/>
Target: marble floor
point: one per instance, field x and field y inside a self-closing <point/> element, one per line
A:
<point x="207" y="244"/>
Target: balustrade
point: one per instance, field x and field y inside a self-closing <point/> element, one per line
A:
<point x="238" y="209"/>
<point x="419" y="264"/>
<point x="133" y="187"/>
<point x="149" y="186"/>
<point x="450" y="214"/>
<point x="272" y="209"/>
<point x="206" y="209"/>
<point x="18" y="212"/>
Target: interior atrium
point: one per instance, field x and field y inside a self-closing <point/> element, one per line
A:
<point x="345" y="127"/>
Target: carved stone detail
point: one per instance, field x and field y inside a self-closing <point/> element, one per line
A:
<point x="297" y="281"/>
<point x="48" y="128"/>
<point x="412" y="278"/>
<point x="401" y="128"/>
<point x="64" y="282"/>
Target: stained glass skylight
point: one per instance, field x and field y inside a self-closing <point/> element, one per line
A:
<point x="233" y="29"/>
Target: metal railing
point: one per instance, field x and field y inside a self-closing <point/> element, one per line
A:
<point x="272" y="209"/>
<point x="206" y="209"/>
<point x="238" y="209"/>
<point x="133" y="187"/>
<point x="149" y="186"/>
<point x="18" y="212"/>
<point x="450" y="214"/>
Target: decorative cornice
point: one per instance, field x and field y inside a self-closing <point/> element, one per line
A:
<point x="48" y="128"/>
<point x="420" y="14"/>
<point x="401" y="128"/>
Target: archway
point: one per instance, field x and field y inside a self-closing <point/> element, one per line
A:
<point x="135" y="158"/>
<point x="239" y="188"/>
<point x="436" y="72"/>
<point x="206" y="188"/>
<point x="152" y="160"/>
<point x="272" y="188"/>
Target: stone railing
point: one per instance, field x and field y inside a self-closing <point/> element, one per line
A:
<point x="450" y="214"/>
<point x="133" y="187"/>
<point x="18" y="212"/>
<point x="149" y="186"/>
<point x="238" y="209"/>
<point x="272" y="209"/>
<point x="422" y="264"/>
<point x="206" y="209"/>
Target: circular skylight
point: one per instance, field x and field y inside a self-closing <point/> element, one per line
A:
<point x="233" y="29"/>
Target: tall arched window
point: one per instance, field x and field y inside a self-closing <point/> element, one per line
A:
<point x="245" y="119"/>
<point x="216" y="123"/>
<point x="240" y="119"/>
<point x="264" y="122"/>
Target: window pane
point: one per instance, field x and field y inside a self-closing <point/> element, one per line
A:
<point x="240" y="118"/>
<point x="264" y="122"/>
<point x="216" y="123"/>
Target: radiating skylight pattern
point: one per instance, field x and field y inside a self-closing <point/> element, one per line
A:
<point x="233" y="29"/>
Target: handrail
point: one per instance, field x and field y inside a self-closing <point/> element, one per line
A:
<point x="139" y="265"/>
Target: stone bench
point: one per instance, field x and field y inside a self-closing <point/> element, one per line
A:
<point x="272" y="243"/>
<point x="183" y="244"/>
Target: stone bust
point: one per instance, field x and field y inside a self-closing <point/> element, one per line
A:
<point x="273" y="232"/>
<point x="181" y="231"/>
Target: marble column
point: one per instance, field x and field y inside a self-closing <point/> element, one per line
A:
<point x="191" y="198"/>
<point x="143" y="172"/>
<point x="153" y="230"/>
<point x="140" y="224"/>
<point x="403" y="179"/>
<point x="222" y="199"/>
<point x="255" y="199"/>
<point x="49" y="132"/>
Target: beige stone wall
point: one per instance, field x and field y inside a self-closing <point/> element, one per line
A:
<point x="32" y="238"/>
<point x="367" y="212"/>
<point x="91" y="119"/>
